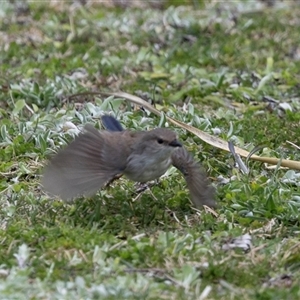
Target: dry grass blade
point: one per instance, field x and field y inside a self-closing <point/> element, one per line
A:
<point x="212" y="140"/>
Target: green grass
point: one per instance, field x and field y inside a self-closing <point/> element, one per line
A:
<point x="212" y="65"/>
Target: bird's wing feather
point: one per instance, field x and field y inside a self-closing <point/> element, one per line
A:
<point x="202" y="193"/>
<point x="80" y="168"/>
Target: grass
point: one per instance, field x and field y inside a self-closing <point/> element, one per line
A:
<point x="228" y="69"/>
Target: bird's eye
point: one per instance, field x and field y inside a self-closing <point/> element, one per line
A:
<point x="160" y="141"/>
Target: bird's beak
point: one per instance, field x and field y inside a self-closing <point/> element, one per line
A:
<point x="175" y="143"/>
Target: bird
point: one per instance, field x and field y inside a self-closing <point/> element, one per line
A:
<point x="95" y="158"/>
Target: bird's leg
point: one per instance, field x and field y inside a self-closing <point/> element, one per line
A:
<point x="140" y="188"/>
<point x="117" y="176"/>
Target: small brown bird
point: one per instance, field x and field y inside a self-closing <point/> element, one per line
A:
<point x="95" y="158"/>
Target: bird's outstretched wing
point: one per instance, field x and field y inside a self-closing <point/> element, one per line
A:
<point x="202" y="193"/>
<point x="82" y="167"/>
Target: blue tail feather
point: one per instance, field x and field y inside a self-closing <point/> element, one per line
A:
<point x="111" y="123"/>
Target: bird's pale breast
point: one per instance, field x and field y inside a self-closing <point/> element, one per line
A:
<point x="146" y="169"/>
